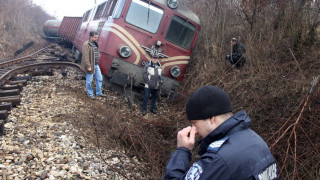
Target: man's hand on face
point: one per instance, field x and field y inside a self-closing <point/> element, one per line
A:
<point x="186" y="137"/>
<point x="89" y="69"/>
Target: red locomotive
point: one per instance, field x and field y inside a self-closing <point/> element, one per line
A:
<point x="133" y="31"/>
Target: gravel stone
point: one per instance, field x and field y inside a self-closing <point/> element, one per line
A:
<point x="36" y="146"/>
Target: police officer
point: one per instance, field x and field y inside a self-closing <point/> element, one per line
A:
<point x="153" y="79"/>
<point x="229" y="148"/>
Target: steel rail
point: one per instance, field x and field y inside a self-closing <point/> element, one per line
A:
<point x="18" y="60"/>
<point x="44" y="65"/>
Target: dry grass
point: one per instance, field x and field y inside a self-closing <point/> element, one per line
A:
<point x="21" y="22"/>
<point x="274" y="86"/>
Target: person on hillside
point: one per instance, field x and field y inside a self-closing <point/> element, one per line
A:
<point x="237" y="57"/>
<point x="153" y="79"/>
<point x="89" y="64"/>
<point x="229" y="149"/>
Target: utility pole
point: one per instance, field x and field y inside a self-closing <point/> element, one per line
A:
<point x="95" y="1"/>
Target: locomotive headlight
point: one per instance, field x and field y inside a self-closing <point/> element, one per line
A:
<point x="175" y="71"/>
<point x="125" y="51"/>
<point x="172" y="3"/>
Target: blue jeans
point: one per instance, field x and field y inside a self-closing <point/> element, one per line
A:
<point x="98" y="77"/>
<point x="154" y="93"/>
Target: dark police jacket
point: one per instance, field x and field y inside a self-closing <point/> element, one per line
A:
<point x="237" y="52"/>
<point x="231" y="151"/>
<point x="152" y="75"/>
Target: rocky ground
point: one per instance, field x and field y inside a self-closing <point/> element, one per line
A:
<point x="41" y="142"/>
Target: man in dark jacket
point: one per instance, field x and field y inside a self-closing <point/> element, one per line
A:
<point x="89" y="64"/>
<point x="237" y="56"/>
<point x="229" y="148"/>
<point x="153" y="79"/>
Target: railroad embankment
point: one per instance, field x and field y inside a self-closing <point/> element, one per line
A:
<point x="43" y="138"/>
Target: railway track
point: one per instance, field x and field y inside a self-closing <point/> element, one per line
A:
<point x="15" y="73"/>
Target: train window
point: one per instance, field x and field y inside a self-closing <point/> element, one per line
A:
<point x="144" y="15"/>
<point x="112" y="7"/>
<point x="119" y="8"/>
<point x="180" y="32"/>
<point x="86" y="16"/>
<point x="99" y="11"/>
<point x="105" y="12"/>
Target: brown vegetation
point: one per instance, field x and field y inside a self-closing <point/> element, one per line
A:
<point x="274" y="86"/>
<point x="20" y="23"/>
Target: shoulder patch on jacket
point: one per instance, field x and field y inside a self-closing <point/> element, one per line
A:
<point x="215" y="146"/>
<point x="269" y="173"/>
<point x="194" y="172"/>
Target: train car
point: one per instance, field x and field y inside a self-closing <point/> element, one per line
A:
<point x="51" y="28"/>
<point x="133" y="31"/>
<point x="68" y="28"/>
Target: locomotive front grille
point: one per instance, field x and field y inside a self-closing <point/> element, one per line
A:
<point x="119" y="74"/>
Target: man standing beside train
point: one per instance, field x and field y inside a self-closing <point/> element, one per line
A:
<point x="153" y="79"/>
<point x="89" y="64"/>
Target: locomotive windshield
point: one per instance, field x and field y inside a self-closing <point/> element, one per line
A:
<point x="144" y="15"/>
<point x="180" y="32"/>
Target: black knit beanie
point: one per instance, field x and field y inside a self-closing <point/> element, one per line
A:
<point x="206" y="102"/>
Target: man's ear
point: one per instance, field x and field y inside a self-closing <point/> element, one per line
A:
<point x="212" y="120"/>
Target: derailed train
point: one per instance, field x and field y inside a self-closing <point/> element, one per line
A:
<point x="133" y="31"/>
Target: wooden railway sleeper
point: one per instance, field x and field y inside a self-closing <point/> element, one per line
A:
<point x="2" y="131"/>
<point x="11" y="92"/>
<point x="15" y="100"/>
<point x="23" y="82"/>
<point x="10" y="87"/>
<point x="3" y="114"/>
<point x="26" y="77"/>
<point x="41" y="73"/>
<point x="6" y="106"/>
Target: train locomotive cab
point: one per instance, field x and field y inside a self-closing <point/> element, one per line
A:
<point x="133" y="31"/>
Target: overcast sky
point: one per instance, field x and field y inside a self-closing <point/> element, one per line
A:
<point x="60" y="8"/>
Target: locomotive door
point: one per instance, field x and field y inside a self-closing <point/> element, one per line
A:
<point x="100" y="26"/>
<point x="103" y="12"/>
<point x="83" y="28"/>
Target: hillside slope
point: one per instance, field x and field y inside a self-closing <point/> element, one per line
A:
<point x="20" y="23"/>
